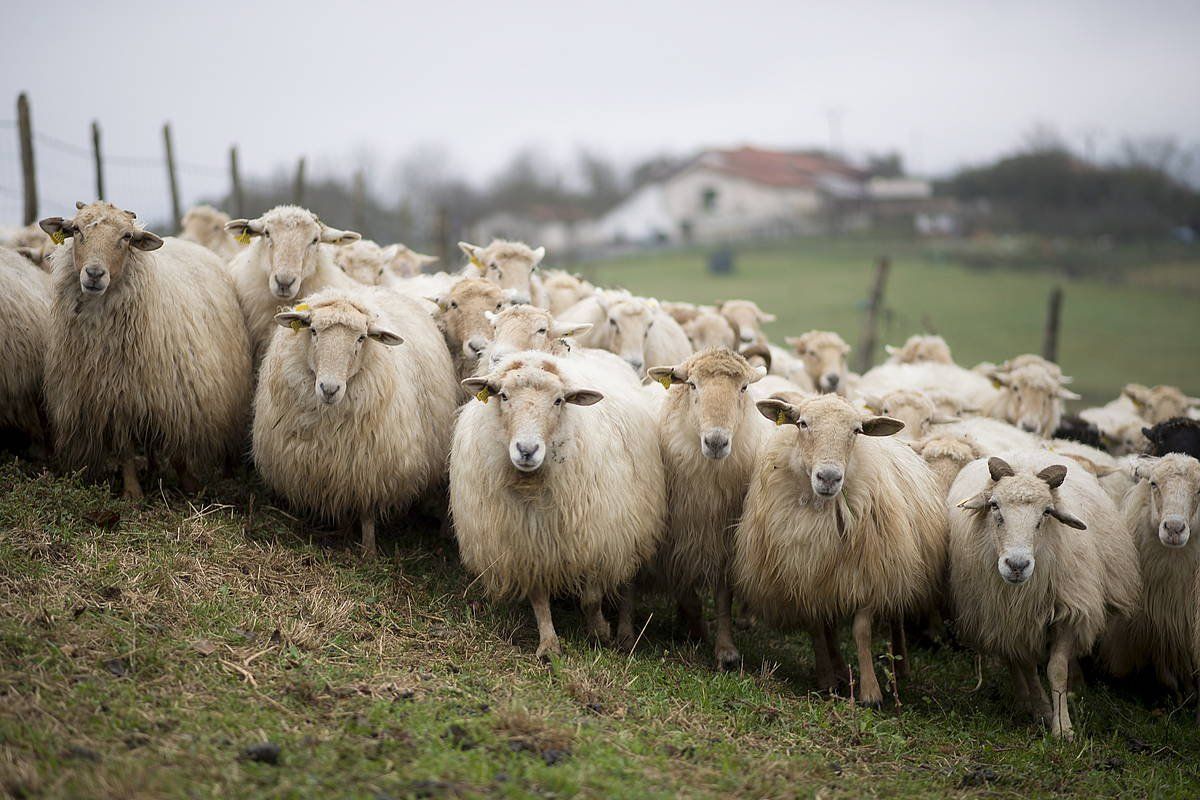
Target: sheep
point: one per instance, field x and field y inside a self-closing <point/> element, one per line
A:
<point x="354" y="407"/>
<point x="1076" y="428"/>
<point x="824" y="356"/>
<point x="709" y="432"/>
<point x="525" y="327"/>
<point x="1030" y="397"/>
<point x="406" y="262"/>
<point x="556" y="487"/>
<point x="24" y="322"/>
<point x="840" y="520"/>
<point x="147" y="347"/>
<point x="509" y="265"/>
<point x="683" y="313"/>
<point x="33" y="243"/>
<point x="461" y="316"/>
<point x="636" y="329"/>
<point x="759" y="355"/>
<point x="564" y="290"/>
<point x="371" y="265"/>
<point x="205" y="226"/>
<point x="968" y="388"/>
<point x="1178" y="435"/>
<point x="1160" y="511"/>
<point x="709" y="329"/>
<point x="786" y="365"/>
<point x="287" y="260"/>
<point x="1024" y="582"/>
<point x="947" y="455"/>
<point x="920" y="349"/>
<point x="1160" y="403"/>
<point x="746" y="319"/>
<point x="913" y="408"/>
<point x="992" y="435"/>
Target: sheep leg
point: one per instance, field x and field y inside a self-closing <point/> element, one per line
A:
<point x="728" y="657"/>
<point x="1037" y="693"/>
<point x="547" y="639"/>
<point x="593" y="612"/>
<point x="869" y="693"/>
<point x="626" y="637"/>
<point x="1058" y="670"/>
<point x="822" y="663"/>
<point x="1020" y="687"/>
<point x="692" y="615"/>
<point x="841" y="671"/>
<point x="187" y="481"/>
<point x="132" y="489"/>
<point x="368" y="536"/>
<point x="899" y="648"/>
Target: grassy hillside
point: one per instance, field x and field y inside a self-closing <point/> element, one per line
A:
<point x="1145" y="331"/>
<point x="151" y="651"/>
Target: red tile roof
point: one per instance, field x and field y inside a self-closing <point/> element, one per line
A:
<point x="778" y="168"/>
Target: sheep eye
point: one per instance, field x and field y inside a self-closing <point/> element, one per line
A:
<point x="498" y="305"/>
<point x="612" y="322"/>
<point x="313" y="331"/>
<point x="745" y="386"/>
<point x="453" y="304"/>
<point x="503" y="396"/>
<point x="1153" y="485"/>
<point x="126" y="236"/>
<point x="267" y="234"/>
<point x="316" y="239"/>
<point x="802" y="424"/>
<point x="691" y="385"/>
<point x="558" y="401"/>
<point x="542" y="331"/>
<point x="380" y="271"/>
<point x="362" y="338"/>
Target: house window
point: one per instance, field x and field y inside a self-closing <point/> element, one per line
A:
<point x="708" y="198"/>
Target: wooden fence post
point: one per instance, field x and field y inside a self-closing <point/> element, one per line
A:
<point x="28" y="174"/>
<point x="443" y="238"/>
<point x="359" y="205"/>
<point x="298" y="186"/>
<point x="171" y="177"/>
<point x="1053" y="315"/>
<point x="99" y="160"/>
<point x="870" y="334"/>
<point x="235" y="179"/>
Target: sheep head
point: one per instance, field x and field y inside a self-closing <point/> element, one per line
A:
<point x="102" y="239"/>
<point x="711" y="387"/>
<point x="291" y="238"/>
<point x="747" y="320"/>
<point x="461" y="316"/>
<point x="524" y="327"/>
<point x="1173" y="483"/>
<point x="1032" y="398"/>
<point x="913" y="408"/>
<point x="921" y="350"/>
<point x="509" y="265"/>
<point x="824" y="356"/>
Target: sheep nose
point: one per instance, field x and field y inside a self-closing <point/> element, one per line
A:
<point x="1029" y="427"/>
<point x="528" y="450"/>
<point x="832" y="378"/>
<point x="477" y="344"/>
<point x="1018" y="565"/>
<point x="329" y="390"/>
<point x="284" y="283"/>
<point x="636" y="363"/>
<point x="95" y="273"/>
<point x="829" y="475"/>
<point x="716" y="442"/>
<point x="1174" y="526"/>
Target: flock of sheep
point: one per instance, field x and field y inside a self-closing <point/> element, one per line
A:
<point x="590" y="443"/>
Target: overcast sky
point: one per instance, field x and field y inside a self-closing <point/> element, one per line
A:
<point x="944" y="83"/>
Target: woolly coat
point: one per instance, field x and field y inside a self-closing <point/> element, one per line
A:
<point x="160" y="361"/>
<point x="24" y="323"/>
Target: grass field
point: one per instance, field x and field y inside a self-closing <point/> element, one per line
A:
<point x="152" y="651"/>
<point x="1145" y="330"/>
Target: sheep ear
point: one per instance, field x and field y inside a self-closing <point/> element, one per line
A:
<point x="668" y="376"/>
<point x="244" y="227"/>
<point x="80" y="205"/>
<point x="873" y="403"/>
<point x="1141" y="468"/>
<point x="538" y="255"/>
<point x="760" y="372"/>
<point x="796" y="343"/>
<point x="975" y="503"/>
<point x="384" y="336"/>
<point x="441" y="301"/>
<point x="1149" y="433"/>
<point x="778" y="411"/>
<point x="918" y="446"/>
<point x="1067" y="518"/>
<point x="560" y="329"/>
<point x="482" y="387"/>
<point x="55" y="225"/>
<point x="334" y="236"/>
<point x="999" y="468"/>
<point x="1137" y="393"/>
<point x="943" y="419"/>
<point x="145" y="240"/>
<point x="490" y="316"/>
<point x="583" y="397"/>
<point x="471" y="251"/>
<point x="293" y="319"/>
<point x="764" y="316"/>
<point x="1054" y="475"/>
<point x="891" y="350"/>
<point x="881" y="426"/>
<point x="1067" y="394"/>
<point x="998" y="378"/>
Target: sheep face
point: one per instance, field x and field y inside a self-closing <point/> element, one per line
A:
<point x="363" y="261"/>
<point x="1013" y="511"/>
<point x="1174" y="495"/>
<point x="629" y="323"/>
<point x="405" y="261"/>
<point x="1126" y="439"/>
<point x="518" y="328"/>
<point x="337" y="334"/>
<point x="509" y="265"/>
<point x="746" y="319"/>
<point x="828" y="426"/>
<point x="921" y="349"/>
<point x="531" y="396"/>
<point x="291" y="238"/>
<point x="1160" y="403"/>
<point x="824" y="355"/>
<point x="716" y="383"/>
<point x="914" y="409"/>
<point x="947" y="455"/>
<point x="707" y="330"/>
<point x="1032" y="399"/>
<point x="461" y="316"/>
<point x="204" y="225"/>
<point x="102" y="238"/>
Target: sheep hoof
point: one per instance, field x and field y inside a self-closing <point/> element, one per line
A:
<point x="729" y="659"/>
<point x="602" y="632"/>
<point x="133" y="493"/>
<point x="548" y="648"/>
<point x="875" y="703"/>
<point x="626" y="641"/>
<point x="1066" y="734"/>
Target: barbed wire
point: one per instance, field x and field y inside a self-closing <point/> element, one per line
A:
<point x="140" y="162"/>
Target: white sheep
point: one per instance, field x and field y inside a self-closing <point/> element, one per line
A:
<point x="1038" y="557"/>
<point x="971" y="389"/>
<point x="32" y="243"/>
<point x="841" y="520"/>
<point x="920" y="349"/>
<point x="913" y="408"/>
<point x="24" y="323"/>
<point x="148" y="349"/>
<point x="564" y="290"/>
<point x="709" y="329"/>
<point x="1160" y="511"/>
<point x="205" y="226"/>
<point x="947" y="455"/>
<point x="746" y="319"/>
<point x="288" y="259"/>
<point x="823" y="354"/>
<point x="461" y="315"/>
<point x="354" y="407"/>
<point x="1030" y="397"/>
<point x="709" y="431"/>
<point x="509" y="265"/>
<point x="556" y="487"/>
<point x="525" y="327"/>
<point x="639" y="331"/>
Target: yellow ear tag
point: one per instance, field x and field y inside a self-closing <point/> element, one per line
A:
<point x="780" y="418"/>
<point x="300" y="307"/>
<point x="244" y="238"/>
<point x="665" y="380"/>
<point x="476" y="262"/>
<point x="296" y="326"/>
<point x="483" y="394"/>
<point x="58" y="237"/>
